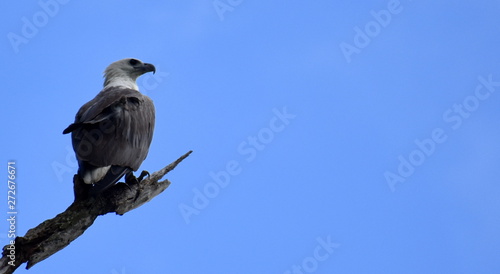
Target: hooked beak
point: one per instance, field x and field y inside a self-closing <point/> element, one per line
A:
<point x="148" y="67"/>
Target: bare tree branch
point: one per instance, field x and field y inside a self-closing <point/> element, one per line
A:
<point x="55" y="234"/>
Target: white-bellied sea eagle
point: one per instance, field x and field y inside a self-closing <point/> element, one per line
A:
<point x="112" y="132"/>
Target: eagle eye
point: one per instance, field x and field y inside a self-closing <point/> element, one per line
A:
<point x="133" y="62"/>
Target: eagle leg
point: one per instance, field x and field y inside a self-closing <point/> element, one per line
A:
<point x="80" y="188"/>
<point x="130" y="179"/>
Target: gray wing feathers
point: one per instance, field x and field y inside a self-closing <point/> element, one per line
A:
<point x="115" y="128"/>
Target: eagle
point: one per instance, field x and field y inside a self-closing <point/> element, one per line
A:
<point x="112" y="133"/>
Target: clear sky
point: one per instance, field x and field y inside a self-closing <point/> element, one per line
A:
<point x="328" y="136"/>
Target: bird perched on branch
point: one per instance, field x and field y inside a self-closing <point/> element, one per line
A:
<point x="112" y="132"/>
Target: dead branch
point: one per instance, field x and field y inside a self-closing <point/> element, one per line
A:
<point x="52" y="235"/>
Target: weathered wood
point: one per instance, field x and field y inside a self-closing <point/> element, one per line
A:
<point x="54" y="234"/>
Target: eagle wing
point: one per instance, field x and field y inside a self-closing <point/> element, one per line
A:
<point x="115" y="128"/>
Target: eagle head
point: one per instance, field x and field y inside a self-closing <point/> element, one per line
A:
<point x="125" y="72"/>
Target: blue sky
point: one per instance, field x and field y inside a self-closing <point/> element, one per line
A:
<point x="328" y="136"/>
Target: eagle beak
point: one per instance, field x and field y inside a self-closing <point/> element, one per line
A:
<point x="148" y="67"/>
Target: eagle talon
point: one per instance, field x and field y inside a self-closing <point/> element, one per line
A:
<point x="144" y="173"/>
